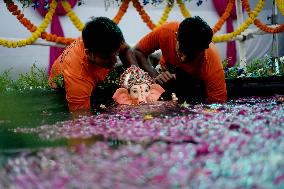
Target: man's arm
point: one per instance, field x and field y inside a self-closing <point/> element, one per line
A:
<point x="142" y="59"/>
<point x="146" y="46"/>
<point x="160" y="78"/>
<point x="127" y="56"/>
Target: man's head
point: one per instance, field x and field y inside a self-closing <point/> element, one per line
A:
<point x="102" y="39"/>
<point x="193" y="37"/>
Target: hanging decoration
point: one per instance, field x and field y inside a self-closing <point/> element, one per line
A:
<point x="122" y="10"/>
<point x="36" y="33"/>
<point x="280" y="5"/>
<point x="183" y="9"/>
<point x="55" y="27"/>
<point x="225" y="8"/>
<point x="145" y="17"/>
<point x="73" y="17"/>
<point x="224" y="16"/>
<point x="31" y="27"/>
<point x="243" y="26"/>
<point x="36" y="4"/>
<point x="27" y="3"/>
<point x="259" y="24"/>
<point x="165" y="15"/>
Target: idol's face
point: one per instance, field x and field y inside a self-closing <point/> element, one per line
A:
<point x="139" y="92"/>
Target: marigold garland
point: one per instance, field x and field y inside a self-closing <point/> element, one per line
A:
<point x="183" y="9"/>
<point x="79" y="25"/>
<point x="72" y="16"/>
<point x="145" y="17"/>
<point x="36" y="34"/>
<point x="259" y="24"/>
<point x="165" y="15"/>
<point x="122" y="10"/>
<point x="280" y="5"/>
<point x="243" y="27"/>
<point x="40" y="31"/>
<point x="224" y="17"/>
<point x="31" y="27"/>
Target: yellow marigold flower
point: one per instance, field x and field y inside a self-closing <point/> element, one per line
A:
<point x="148" y="117"/>
<point x="9" y="44"/>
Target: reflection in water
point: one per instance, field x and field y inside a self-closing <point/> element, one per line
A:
<point x="162" y="109"/>
<point x="32" y="108"/>
<point x="29" y="109"/>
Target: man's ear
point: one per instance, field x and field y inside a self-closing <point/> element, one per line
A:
<point x="176" y="35"/>
<point x="155" y="92"/>
<point x="121" y="96"/>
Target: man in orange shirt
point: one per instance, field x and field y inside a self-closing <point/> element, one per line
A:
<point x="88" y="60"/>
<point x="187" y="55"/>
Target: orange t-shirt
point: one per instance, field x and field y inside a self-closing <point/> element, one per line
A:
<point x="80" y="76"/>
<point x="211" y="69"/>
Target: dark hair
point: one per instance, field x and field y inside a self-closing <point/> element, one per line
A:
<point x="194" y="34"/>
<point x="102" y="35"/>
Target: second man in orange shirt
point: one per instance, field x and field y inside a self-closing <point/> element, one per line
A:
<point x="187" y="55"/>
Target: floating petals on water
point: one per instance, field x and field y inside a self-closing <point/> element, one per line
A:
<point x="239" y="144"/>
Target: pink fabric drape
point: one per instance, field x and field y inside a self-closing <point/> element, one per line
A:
<point x="55" y="28"/>
<point x="220" y="6"/>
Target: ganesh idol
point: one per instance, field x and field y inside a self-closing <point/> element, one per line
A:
<point x="137" y="87"/>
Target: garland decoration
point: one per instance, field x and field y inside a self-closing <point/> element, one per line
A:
<point x="36" y="34"/>
<point x="72" y="16"/>
<point x="243" y="27"/>
<point x="224" y="16"/>
<point x="40" y="31"/>
<point x="145" y="17"/>
<point x="122" y="10"/>
<point x="259" y="24"/>
<point x="183" y="9"/>
<point x="32" y="28"/>
<point x="280" y="5"/>
<point x="166" y="12"/>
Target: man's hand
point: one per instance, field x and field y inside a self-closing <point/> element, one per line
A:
<point x="164" y="77"/>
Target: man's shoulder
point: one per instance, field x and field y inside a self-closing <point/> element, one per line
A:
<point x="212" y="50"/>
<point x="75" y="49"/>
<point x="76" y="45"/>
<point x="173" y="26"/>
<point x="214" y="61"/>
<point x="168" y="30"/>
